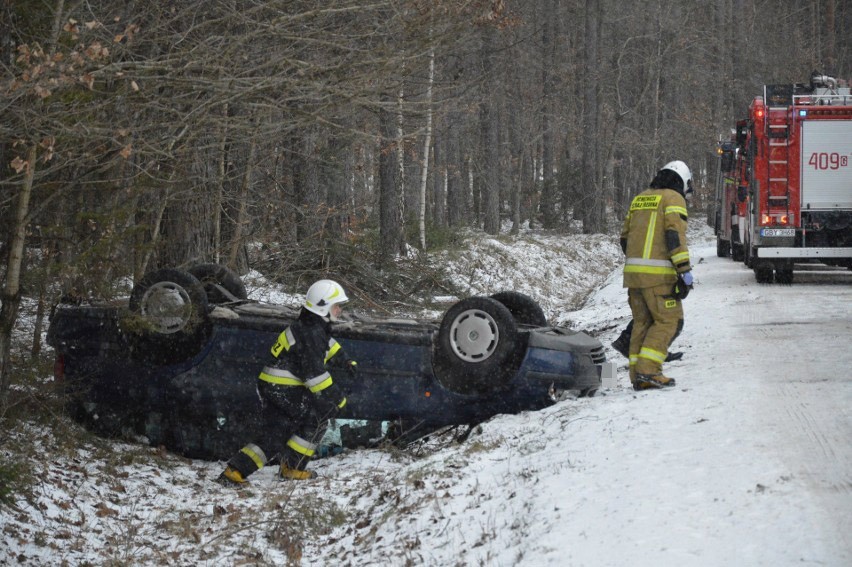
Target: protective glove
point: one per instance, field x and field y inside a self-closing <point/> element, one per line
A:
<point x="681" y="289"/>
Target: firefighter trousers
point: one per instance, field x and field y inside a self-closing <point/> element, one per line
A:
<point x="657" y="321"/>
<point x="293" y="428"/>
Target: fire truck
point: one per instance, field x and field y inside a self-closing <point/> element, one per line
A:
<point x="793" y="178"/>
<point x="728" y="217"/>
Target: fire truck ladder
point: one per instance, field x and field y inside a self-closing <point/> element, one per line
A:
<point x="778" y="133"/>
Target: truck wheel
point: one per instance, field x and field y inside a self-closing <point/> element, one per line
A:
<point x="168" y="317"/>
<point x="737" y="252"/>
<point x="784" y="276"/>
<point x="477" y="347"/>
<point x="221" y="284"/>
<point x="723" y="248"/>
<point x="523" y="308"/>
<point x="763" y="274"/>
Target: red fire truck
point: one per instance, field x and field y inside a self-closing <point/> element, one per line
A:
<point x="728" y="217"/>
<point x="795" y="178"/>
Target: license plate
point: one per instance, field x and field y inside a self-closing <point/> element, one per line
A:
<point x="777" y="232"/>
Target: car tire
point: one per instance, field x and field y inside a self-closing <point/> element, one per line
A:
<point x="477" y="350"/>
<point x="523" y="308"/>
<point x="168" y="321"/>
<point x="214" y="278"/>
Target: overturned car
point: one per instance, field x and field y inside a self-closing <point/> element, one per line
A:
<point x="178" y="364"/>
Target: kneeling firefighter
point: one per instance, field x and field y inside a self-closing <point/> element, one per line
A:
<point x="657" y="272"/>
<point x="297" y="391"/>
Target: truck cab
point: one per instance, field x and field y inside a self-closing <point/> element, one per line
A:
<point x="798" y="146"/>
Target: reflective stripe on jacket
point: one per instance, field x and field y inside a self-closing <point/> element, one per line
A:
<point x="654" y="239"/>
<point x="302" y="351"/>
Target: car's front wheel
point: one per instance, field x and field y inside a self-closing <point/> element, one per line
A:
<point x="477" y="350"/>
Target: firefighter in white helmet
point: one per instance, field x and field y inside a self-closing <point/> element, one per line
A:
<point x="297" y="390"/>
<point x="656" y="272"/>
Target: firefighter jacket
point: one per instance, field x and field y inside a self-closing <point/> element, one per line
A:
<point x="301" y="352"/>
<point x="654" y="239"/>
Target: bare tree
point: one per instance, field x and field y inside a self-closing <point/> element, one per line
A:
<point x="592" y="201"/>
<point x="11" y="292"/>
<point x="489" y="127"/>
<point x="391" y="227"/>
<point x="427" y="142"/>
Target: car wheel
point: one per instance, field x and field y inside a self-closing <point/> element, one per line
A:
<point x="477" y="346"/>
<point x="219" y="283"/>
<point x="523" y="308"/>
<point x="168" y="317"/>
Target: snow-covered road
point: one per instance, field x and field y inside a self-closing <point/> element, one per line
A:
<point x="749" y="460"/>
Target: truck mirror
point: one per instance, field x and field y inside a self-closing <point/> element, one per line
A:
<point x="742" y="193"/>
<point x="742" y="133"/>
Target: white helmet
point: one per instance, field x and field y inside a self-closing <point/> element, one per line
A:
<point x="322" y="295"/>
<point x="683" y="172"/>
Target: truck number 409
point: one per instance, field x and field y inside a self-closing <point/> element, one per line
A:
<point x="824" y="160"/>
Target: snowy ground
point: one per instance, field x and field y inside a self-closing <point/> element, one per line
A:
<point x="748" y="461"/>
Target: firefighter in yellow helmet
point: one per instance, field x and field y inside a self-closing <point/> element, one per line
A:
<point x="656" y="272"/>
<point x="298" y="392"/>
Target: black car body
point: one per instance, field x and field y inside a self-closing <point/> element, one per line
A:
<point x="195" y="391"/>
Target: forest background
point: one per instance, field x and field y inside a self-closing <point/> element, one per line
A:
<point x="350" y="137"/>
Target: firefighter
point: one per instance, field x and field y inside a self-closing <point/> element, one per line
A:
<point x="297" y="391"/>
<point x="657" y="272"/>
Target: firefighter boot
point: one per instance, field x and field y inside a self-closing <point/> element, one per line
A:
<point x="231" y="477"/>
<point x="622" y="343"/>
<point x="652" y="382"/>
<point x="250" y="459"/>
<point x="287" y="473"/>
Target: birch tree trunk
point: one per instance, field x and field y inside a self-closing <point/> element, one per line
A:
<point x="400" y="166"/>
<point x="424" y="174"/>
